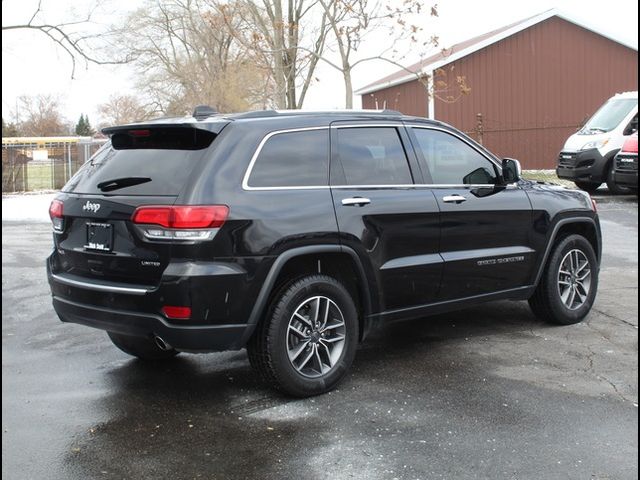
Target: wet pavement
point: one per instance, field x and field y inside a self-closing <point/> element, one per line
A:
<point x="489" y="392"/>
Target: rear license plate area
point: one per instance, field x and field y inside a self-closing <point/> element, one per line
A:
<point x="99" y="237"/>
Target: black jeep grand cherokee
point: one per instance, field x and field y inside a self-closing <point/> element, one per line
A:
<point x="294" y="233"/>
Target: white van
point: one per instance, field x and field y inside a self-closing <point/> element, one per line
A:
<point x="587" y="156"/>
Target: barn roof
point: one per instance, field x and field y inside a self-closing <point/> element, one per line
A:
<point x="472" y="45"/>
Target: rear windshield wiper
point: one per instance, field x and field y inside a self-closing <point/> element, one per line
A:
<point x="117" y="183"/>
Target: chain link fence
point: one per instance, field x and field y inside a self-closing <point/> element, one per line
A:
<point x="43" y="163"/>
<point x="547" y="175"/>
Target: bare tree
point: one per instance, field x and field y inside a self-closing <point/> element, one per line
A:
<point x="350" y="21"/>
<point x="185" y="55"/>
<point x="242" y="54"/>
<point x="72" y="37"/>
<point x="286" y="38"/>
<point x="340" y="27"/>
<point x="40" y="116"/>
<point x="122" y="109"/>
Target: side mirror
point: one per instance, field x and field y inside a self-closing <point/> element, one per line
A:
<point x="511" y="170"/>
<point x="480" y="176"/>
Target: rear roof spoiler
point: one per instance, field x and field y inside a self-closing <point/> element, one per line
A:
<point x="213" y="127"/>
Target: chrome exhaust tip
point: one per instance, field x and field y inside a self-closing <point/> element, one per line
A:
<point x="162" y="345"/>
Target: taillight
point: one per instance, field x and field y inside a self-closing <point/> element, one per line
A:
<point x="594" y="205"/>
<point x="179" y="313"/>
<point x="199" y="217"/>
<point x="180" y="222"/>
<point x="212" y="216"/>
<point x="56" y="213"/>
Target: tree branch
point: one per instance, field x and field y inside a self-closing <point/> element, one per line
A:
<point x="69" y="41"/>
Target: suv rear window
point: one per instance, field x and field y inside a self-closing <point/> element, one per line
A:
<point x="154" y="162"/>
<point x="293" y="159"/>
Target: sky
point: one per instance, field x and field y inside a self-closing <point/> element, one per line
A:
<point x="32" y="64"/>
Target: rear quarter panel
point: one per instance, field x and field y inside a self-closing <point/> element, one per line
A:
<point x="262" y="224"/>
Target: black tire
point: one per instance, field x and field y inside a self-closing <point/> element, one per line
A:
<point x="590" y="187"/>
<point x="141" y="347"/>
<point x="546" y="302"/>
<point x="613" y="187"/>
<point x="269" y="346"/>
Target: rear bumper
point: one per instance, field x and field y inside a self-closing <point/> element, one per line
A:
<point x="216" y="292"/>
<point x="584" y="166"/>
<point x="195" y="338"/>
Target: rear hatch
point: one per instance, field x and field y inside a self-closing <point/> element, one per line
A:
<point x="137" y="167"/>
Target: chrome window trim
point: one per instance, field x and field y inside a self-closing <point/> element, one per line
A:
<point x="247" y="174"/>
<point x="266" y="189"/>
<point x="413" y="185"/>
<point x="403" y="186"/>
<point x="369" y="125"/>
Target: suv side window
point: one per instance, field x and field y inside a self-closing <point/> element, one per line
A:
<point x="372" y="156"/>
<point x="451" y="161"/>
<point x="293" y="159"/>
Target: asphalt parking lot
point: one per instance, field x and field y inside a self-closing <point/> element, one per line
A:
<point x="489" y="392"/>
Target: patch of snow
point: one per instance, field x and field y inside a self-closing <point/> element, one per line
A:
<point x="31" y="207"/>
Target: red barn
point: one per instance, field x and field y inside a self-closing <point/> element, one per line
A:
<point x="532" y="84"/>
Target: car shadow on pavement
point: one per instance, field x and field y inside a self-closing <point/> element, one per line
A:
<point x="212" y="378"/>
<point x="402" y="339"/>
<point x="210" y="413"/>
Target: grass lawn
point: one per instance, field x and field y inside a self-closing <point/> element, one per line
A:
<point x="39" y="176"/>
<point x="546" y="176"/>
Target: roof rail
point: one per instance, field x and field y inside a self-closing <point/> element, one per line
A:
<point x="255" y="114"/>
<point x="275" y="113"/>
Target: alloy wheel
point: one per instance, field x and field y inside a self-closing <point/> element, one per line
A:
<point x="316" y="336"/>
<point x="574" y="279"/>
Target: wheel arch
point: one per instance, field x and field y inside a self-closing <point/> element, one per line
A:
<point x="584" y="226"/>
<point x="335" y="260"/>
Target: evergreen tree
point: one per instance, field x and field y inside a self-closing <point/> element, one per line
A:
<point x="80" y="126"/>
<point x="9" y="129"/>
<point x="83" y="127"/>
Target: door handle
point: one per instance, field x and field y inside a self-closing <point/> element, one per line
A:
<point x="355" y="202"/>
<point x="454" y="199"/>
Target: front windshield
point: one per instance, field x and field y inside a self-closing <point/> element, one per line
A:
<point x="610" y="115"/>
